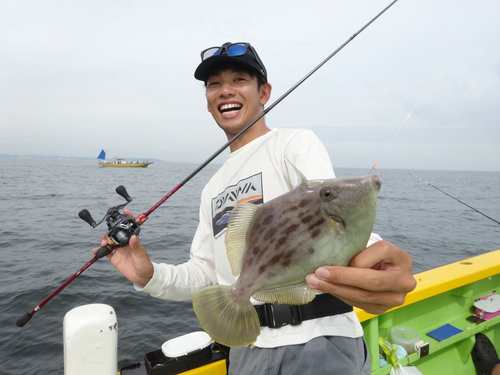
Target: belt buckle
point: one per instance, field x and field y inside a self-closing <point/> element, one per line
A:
<point x="281" y="315"/>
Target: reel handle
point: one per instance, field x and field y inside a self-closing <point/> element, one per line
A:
<point x="120" y="190"/>
<point x="85" y="216"/>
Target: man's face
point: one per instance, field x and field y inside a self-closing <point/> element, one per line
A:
<point x="234" y="100"/>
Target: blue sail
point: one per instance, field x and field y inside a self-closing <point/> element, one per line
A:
<point x="102" y="155"/>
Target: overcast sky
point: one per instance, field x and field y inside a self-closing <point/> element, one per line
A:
<point x="79" y="76"/>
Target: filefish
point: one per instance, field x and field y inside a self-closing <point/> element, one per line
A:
<point x="273" y="247"/>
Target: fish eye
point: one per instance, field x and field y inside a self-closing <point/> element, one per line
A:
<point x="327" y="194"/>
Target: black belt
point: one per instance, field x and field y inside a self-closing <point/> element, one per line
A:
<point x="273" y="315"/>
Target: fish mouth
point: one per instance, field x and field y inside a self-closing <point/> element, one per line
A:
<point x="376" y="182"/>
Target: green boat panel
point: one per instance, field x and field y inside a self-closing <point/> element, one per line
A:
<point x="438" y="306"/>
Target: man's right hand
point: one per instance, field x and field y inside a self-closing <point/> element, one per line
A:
<point x="132" y="260"/>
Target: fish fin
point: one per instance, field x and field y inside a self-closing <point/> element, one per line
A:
<point x="301" y="178"/>
<point x="299" y="294"/>
<point x="338" y="227"/>
<point x="225" y="320"/>
<point x="236" y="235"/>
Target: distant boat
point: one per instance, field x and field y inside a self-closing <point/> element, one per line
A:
<point x="120" y="163"/>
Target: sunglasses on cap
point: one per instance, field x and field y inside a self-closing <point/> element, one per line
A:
<point x="231" y="49"/>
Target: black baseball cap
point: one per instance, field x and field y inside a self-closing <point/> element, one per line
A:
<point x="242" y="53"/>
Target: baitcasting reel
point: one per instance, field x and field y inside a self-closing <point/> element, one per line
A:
<point x="120" y="226"/>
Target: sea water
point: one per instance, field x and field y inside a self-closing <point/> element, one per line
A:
<point x="43" y="243"/>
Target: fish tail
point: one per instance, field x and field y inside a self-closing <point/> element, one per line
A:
<point x="225" y="320"/>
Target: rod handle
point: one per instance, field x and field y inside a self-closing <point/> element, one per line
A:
<point x="102" y="252"/>
<point x="24" y="319"/>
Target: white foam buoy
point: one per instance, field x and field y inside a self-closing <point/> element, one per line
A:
<point x="90" y="335"/>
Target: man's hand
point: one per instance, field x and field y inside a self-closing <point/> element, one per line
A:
<point x="377" y="279"/>
<point x="132" y="260"/>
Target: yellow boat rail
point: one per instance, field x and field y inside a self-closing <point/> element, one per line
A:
<point x="442" y="279"/>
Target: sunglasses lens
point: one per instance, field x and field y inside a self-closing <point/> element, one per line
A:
<point x="236" y="49"/>
<point x="232" y="50"/>
<point x="211" y="52"/>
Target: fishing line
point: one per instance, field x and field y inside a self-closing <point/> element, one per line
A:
<point x="394" y="136"/>
<point x="451" y="196"/>
<point x="450" y="54"/>
<point x="141" y="219"/>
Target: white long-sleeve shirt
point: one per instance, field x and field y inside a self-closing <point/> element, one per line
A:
<point x="257" y="172"/>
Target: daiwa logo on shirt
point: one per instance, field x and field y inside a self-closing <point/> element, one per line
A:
<point x="247" y="190"/>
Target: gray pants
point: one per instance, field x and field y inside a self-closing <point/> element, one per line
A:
<point x="320" y="356"/>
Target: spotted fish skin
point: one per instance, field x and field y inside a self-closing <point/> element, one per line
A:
<point x="274" y="247"/>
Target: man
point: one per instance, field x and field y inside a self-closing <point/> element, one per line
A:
<point x="378" y="279"/>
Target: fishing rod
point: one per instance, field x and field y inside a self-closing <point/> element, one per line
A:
<point x="121" y="227"/>
<point x="451" y="196"/>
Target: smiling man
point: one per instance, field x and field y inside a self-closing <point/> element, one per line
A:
<point x="324" y="336"/>
<point x="237" y="90"/>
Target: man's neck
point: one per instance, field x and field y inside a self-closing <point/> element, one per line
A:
<point x="256" y="131"/>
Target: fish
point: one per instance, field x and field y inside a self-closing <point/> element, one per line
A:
<point x="274" y="246"/>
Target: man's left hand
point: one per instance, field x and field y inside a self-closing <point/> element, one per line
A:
<point x="377" y="279"/>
